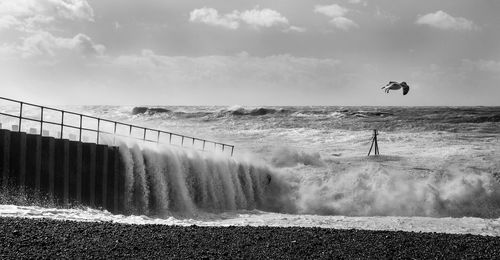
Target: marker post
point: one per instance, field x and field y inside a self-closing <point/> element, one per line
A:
<point x="374" y="142"/>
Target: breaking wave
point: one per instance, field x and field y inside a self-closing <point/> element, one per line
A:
<point x="165" y="181"/>
<point x="375" y="191"/>
<point x="258" y="111"/>
<point x="231" y="111"/>
<point x="287" y="157"/>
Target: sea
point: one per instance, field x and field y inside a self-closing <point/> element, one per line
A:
<point x="438" y="168"/>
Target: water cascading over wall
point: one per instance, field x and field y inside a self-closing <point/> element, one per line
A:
<point x="133" y="179"/>
<point x="161" y="181"/>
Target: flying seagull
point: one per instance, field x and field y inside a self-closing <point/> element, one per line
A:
<point x="392" y="85"/>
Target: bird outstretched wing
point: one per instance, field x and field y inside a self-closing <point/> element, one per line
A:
<point x="389" y="84"/>
<point x="406" y="89"/>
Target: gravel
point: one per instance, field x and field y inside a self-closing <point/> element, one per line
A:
<point x="49" y="239"/>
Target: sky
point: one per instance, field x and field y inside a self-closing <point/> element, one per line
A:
<point x="251" y="53"/>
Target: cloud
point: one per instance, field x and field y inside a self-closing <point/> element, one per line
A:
<point x="255" y="18"/>
<point x="26" y="14"/>
<point x="45" y="44"/>
<point x="343" y="23"/>
<point x="263" y="18"/>
<point x="442" y="20"/>
<point x="331" y="10"/>
<point x="296" y="29"/>
<point x="7" y="21"/>
<point x="33" y="21"/>
<point x="211" y="16"/>
<point x="337" y="14"/>
<point x="73" y="9"/>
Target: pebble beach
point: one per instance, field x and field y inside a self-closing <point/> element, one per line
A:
<point x="50" y="239"/>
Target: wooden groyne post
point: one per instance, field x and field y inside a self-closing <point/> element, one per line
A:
<point x="374" y="143"/>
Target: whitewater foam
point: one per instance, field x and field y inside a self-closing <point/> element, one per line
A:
<point x="373" y="190"/>
<point x="466" y="225"/>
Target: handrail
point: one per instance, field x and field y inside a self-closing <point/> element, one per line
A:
<point x="98" y="131"/>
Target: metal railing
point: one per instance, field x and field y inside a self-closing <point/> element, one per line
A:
<point x="157" y="133"/>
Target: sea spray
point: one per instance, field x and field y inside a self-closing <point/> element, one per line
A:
<point x="163" y="181"/>
<point x="128" y="176"/>
<point x="180" y="199"/>
<point x="287" y="157"/>
<point x="159" y="189"/>
<point x="246" y="186"/>
<point x="375" y="190"/>
<point x="141" y="185"/>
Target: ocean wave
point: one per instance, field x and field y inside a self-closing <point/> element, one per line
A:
<point x="222" y="112"/>
<point x="149" y="110"/>
<point x="257" y="111"/>
<point x="287" y="157"/>
<point x="418" y="119"/>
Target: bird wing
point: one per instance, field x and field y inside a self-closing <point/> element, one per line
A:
<point x="406" y="89"/>
<point x="389" y="84"/>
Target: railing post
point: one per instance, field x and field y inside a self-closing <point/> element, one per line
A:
<point x="170" y="139"/>
<point x="62" y="124"/>
<point x="158" y="138"/>
<point x="223" y="145"/>
<point x="182" y="141"/>
<point x="204" y="141"/>
<point x="232" y="150"/>
<point x="41" y="121"/>
<point x="81" y="122"/>
<point x="20" y="115"/>
<point x="98" y="128"/>
<point x="144" y="139"/>
<point x="193" y="141"/>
